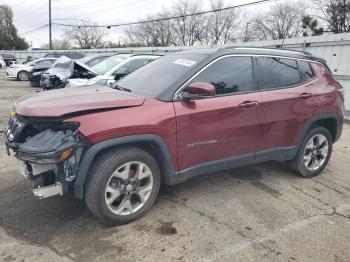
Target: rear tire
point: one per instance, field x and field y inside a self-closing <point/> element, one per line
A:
<point x="122" y="185"/>
<point x="23" y="75"/>
<point x="313" y="153"/>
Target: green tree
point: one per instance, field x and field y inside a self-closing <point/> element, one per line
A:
<point x="8" y="32"/>
<point x="336" y="14"/>
<point x="58" y="44"/>
<point x="311" y="27"/>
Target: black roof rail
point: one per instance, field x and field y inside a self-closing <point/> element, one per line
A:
<point x="265" y="48"/>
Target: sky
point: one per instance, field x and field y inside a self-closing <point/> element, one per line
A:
<point x="31" y="14"/>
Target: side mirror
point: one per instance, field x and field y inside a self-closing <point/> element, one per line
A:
<point x="119" y="76"/>
<point x="199" y="90"/>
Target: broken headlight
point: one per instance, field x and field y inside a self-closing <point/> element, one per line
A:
<point x="52" y="145"/>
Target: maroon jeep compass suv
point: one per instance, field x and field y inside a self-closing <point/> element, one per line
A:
<point x="184" y="115"/>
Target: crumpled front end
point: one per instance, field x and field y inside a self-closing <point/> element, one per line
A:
<point x="48" y="152"/>
<point x="63" y="69"/>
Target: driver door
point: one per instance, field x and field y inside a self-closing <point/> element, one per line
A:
<point x="223" y="126"/>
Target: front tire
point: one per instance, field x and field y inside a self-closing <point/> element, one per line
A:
<point x="122" y="185"/>
<point x="23" y="75"/>
<point x="314" y="152"/>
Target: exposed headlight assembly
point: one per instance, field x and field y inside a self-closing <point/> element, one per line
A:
<point x="51" y="145"/>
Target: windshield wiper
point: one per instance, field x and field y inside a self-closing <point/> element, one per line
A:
<point x="121" y="88"/>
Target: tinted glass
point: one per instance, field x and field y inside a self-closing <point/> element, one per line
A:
<point x="96" y="61"/>
<point x="109" y="63"/>
<point x="277" y="72"/>
<point x="229" y="75"/>
<point x="306" y="70"/>
<point x="154" y="78"/>
<point x="49" y="55"/>
<point x="132" y="66"/>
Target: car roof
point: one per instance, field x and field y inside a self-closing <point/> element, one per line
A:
<point x="98" y="55"/>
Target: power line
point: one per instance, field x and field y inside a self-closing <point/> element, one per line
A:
<point x="31" y="14"/>
<point x="88" y="4"/>
<point x="152" y="20"/>
<point x="67" y="19"/>
<point x="171" y="17"/>
<point x="110" y="8"/>
<point x="23" y="8"/>
<point x="35" y="29"/>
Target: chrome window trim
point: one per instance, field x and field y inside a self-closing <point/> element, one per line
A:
<point x="177" y="97"/>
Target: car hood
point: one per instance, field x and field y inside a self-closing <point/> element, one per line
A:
<point x="57" y="103"/>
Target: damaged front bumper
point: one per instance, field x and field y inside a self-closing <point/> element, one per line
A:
<point x="48" y="153"/>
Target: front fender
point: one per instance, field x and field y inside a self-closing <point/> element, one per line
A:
<point x="163" y="156"/>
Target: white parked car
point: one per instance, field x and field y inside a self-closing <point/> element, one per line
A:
<point x="112" y="69"/>
<point x="21" y="71"/>
<point x="2" y="62"/>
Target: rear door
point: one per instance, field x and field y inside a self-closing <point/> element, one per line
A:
<point x="223" y="126"/>
<point x="285" y="102"/>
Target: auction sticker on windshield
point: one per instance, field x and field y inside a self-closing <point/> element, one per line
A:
<point x="185" y="62"/>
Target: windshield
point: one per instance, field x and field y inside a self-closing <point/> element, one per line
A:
<point x="33" y="62"/>
<point x="152" y="79"/>
<point x="109" y="63"/>
<point x="85" y="59"/>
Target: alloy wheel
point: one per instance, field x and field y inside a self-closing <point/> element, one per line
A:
<point x="128" y="188"/>
<point x="23" y="76"/>
<point x="315" y="152"/>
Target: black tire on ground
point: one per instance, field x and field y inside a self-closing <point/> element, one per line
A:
<point x="99" y="175"/>
<point x="22" y="75"/>
<point x="298" y="165"/>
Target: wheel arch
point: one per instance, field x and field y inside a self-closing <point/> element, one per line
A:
<point x="153" y="144"/>
<point x="330" y="121"/>
<point x="22" y="71"/>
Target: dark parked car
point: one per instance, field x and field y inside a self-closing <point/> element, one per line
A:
<point x="181" y="116"/>
<point x="71" y="55"/>
<point x="63" y="69"/>
<point x="8" y="58"/>
<point x="35" y="75"/>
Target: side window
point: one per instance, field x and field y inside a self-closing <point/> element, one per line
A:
<point x="132" y="66"/>
<point x="306" y="70"/>
<point x="277" y="72"/>
<point x="229" y="75"/>
<point x="95" y="61"/>
<point x="44" y="63"/>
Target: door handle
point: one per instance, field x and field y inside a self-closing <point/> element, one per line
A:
<point x="305" y="95"/>
<point x="248" y="104"/>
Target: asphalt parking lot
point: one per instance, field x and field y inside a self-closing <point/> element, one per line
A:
<point x="257" y="213"/>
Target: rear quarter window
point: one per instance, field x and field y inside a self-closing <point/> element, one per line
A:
<point x="306" y="70"/>
<point x="275" y="72"/>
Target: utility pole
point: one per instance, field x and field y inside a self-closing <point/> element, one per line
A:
<point x="246" y="32"/>
<point x="50" y="40"/>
